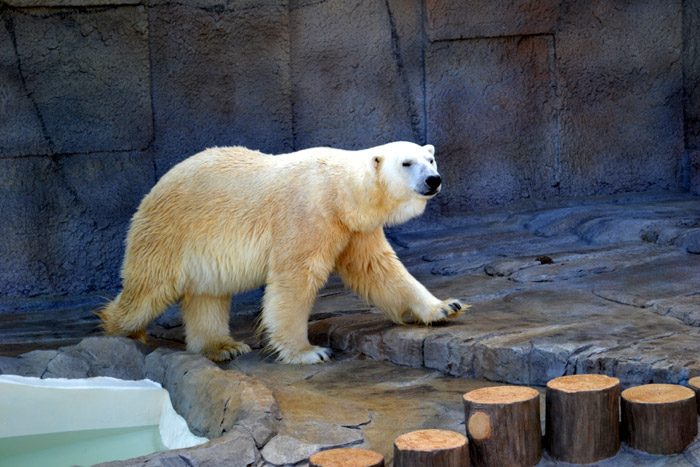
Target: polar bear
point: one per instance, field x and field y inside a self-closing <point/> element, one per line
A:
<point x="232" y="219"/>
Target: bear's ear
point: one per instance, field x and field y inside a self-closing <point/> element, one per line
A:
<point x="377" y="161"/>
<point x="430" y="148"/>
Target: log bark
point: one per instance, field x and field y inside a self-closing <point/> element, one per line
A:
<point x="582" y="418"/>
<point x="694" y="384"/>
<point x="431" y="448"/>
<point x="659" y="418"/>
<point x="346" y="457"/>
<point x="503" y="426"/>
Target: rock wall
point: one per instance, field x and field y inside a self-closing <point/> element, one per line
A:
<point x="523" y="99"/>
<point x="691" y="84"/>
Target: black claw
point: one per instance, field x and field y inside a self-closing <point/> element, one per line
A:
<point x="455" y="306"/>
<point x="445" y="312"/>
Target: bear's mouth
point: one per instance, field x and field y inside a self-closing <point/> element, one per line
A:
<point x="430" y="193"/>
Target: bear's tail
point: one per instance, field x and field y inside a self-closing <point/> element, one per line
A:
<point x="113" y="315"/>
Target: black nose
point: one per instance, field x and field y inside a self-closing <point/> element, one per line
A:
<point x="433" y="182"/>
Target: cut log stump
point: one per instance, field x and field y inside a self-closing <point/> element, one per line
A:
<point x="431" y="448"/>
<point x="659" y="418"/>
<point x="503" y="426"/>
<point x="582" y="418"/>
<point x="694" y="384"/>
<point x="346" y="457"/>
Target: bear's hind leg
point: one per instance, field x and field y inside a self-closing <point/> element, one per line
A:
<point x="207" y="329"/>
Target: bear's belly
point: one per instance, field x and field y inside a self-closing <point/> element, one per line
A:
<point x="217" y="270"/>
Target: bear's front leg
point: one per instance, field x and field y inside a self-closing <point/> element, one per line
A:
<point x="370" y="267"/>
<point x="286" y="307"/>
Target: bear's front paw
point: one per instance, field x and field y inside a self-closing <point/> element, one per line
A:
<point x="452" y="308"/>
<point x="447" y="309"/>
<point x="307" y="356"/>
<point x="223" y="351"/>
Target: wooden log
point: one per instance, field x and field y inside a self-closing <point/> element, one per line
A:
<point x="346" y="457"/>
<point x="659" y="418"/>
<point x="694" y="384"/>
<point x="431" y="448"/>
<point x="503" y="426"/>
<point x="582" y="418"/>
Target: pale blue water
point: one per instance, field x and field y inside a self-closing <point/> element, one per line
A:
<point x="79" y="447"/>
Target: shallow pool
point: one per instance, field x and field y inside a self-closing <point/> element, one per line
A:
<point x="61" y="422"/>
<point x="84" y="447"/>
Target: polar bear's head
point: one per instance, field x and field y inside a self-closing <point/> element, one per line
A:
<point x="408" y="170"/>
<point x="409" y="174"/>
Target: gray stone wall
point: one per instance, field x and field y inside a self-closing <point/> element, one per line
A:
<point x="691" y="74"/>
<point x="522" y="98"/>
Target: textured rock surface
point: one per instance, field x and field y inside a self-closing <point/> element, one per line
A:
<point x="493" y="99"/>
<point x="84" y="78"/>
<point x="694" y="175"/>
<point x="211" y="400"/>
<point x="21" y="131"/>
<point x="94" y="356"/>
<point x="220" y="77"/>
<point x="468" y="19"/>
<point x="620" y="117"/>
<point x="69" y="3"/>
<point x="64" y="222"/>
<point x="67" y="323"/>
<point x="356" y="67"/>
<point x="691" y="74"/>
<point x="287" y="450"/>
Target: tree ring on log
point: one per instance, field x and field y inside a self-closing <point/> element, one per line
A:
<point x="479" y="426"/>
<point x="429" y="440"/>
<point x="501" y="395"/>
<point x="347" y="457"/>
<point x="577" y="383"/>
<point x="657" y="393"/>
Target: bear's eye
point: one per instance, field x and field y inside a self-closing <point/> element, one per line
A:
<point x="407" y="164"/>
<point x="432" y="161"/>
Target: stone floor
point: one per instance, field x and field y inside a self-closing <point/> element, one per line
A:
<point x="607" y="285"/>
